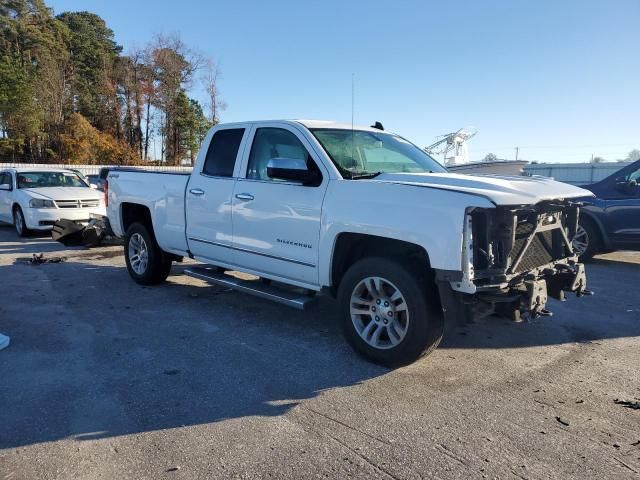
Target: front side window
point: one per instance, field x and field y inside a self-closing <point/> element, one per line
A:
<point x="49" y="179"/>
<point x="222" y="153"/>
<point x="635" y="175"/>
<point x="271" y="143"/>
<point x="360" y="152"/>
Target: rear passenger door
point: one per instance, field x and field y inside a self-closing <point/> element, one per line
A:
<point x="209" y="197"/>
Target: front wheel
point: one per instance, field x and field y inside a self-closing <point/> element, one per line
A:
<point x="586" y="242"/>
<point x="146" y="262"/>
<point x="19" y="222"/>
<point x="390" y="313"/>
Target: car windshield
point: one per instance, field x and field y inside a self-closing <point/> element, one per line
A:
<point x="49" y="179"/>
<point x="359" y="153"/>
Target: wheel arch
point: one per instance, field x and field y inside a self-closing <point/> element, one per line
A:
<point x="351" y="247"/>
<point x="15" y="206"/>
<point x="588" y="216"/>
<point x="135" y="212"/>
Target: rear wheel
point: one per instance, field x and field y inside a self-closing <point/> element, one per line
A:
<point x="146" y="262"/>
<point x="586" y="241"/>
<point x="390" y="314"/>
<point x="19" y="222"/>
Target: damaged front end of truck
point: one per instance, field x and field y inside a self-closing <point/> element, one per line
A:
<point x="513" y="259"/>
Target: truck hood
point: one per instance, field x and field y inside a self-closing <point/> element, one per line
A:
<point x="63" y="193"/>
<point x="501" y="190"/>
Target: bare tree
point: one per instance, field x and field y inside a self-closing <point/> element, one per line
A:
<point x="140" y="73"/>
<point x="210" y="81"/>
<point x="173" y="66"/>
<point x="148" y="97"/>
<point x="634" y="155"/>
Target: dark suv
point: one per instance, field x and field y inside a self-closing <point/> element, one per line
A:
<point x="611" y="221"/>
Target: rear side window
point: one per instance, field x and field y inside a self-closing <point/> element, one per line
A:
<point x="222" y="153"/>
<point x="5" y="178"/>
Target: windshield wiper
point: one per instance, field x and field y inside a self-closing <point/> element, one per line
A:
<point x="363" y="175"/>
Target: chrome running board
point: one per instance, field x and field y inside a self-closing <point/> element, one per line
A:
<point x="291" y="297"/>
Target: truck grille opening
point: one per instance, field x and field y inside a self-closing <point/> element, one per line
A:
<point x="509" y="241"/>
<point x="539" y="251"/>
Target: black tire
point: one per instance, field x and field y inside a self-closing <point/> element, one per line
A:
<point x="158" y="264"/>
<point x="19" y="222"/>
<point x="425" y="324"/>
<point x="593" y="239"/>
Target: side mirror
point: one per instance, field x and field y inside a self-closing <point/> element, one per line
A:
<point x="5" y="186"/>
<point x="94" y="186"/>
<point x="628" y="187"/>
<point x="293" y="170"/>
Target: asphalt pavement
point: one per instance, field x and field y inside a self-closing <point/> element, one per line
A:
<point x="106" y="379"/>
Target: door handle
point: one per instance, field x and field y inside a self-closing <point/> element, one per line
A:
<point x="196" y="191"/>
<point x="244" y="196"/>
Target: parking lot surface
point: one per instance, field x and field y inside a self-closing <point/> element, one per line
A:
<point x="108" y="379"/>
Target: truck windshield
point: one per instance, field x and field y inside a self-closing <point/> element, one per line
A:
<point x="361" y="153"/>
<point x="49" y="179"/>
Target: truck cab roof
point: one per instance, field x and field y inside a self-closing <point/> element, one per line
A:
<point x="309" y="124"/>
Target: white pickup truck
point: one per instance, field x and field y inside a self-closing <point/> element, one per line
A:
<point x="360" y="214"/>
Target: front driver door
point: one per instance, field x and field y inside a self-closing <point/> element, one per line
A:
<point x="276" y="224"/>
<point x="623" y="209"/>
<point x="5" y="198"/>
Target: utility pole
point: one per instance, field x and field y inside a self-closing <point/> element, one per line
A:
<point x="517" y="150"/>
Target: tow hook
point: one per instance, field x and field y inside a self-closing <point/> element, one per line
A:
<point x="536" y="299"/>
<point x="570" y="278"/>
<point x="579" y="284"/>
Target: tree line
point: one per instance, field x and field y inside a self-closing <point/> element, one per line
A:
<point x="69" y="94"/>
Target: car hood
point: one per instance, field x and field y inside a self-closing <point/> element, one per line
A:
<point x="63" y="193"/>
<point x="501" y="190"/>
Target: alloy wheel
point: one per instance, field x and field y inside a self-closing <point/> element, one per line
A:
<point x="379" y="313"/>
<point x="580" y="241"/>
<point x="138" y="254"/>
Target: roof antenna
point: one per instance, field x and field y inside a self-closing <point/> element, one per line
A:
<point x="353" y="95"/>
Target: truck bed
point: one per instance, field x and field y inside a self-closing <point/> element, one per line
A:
<point x="162" y="192"/>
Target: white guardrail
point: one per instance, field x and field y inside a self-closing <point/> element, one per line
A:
<point x="92" y="169"/>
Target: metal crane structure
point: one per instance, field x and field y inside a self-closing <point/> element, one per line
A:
<point x="454" y="142"/>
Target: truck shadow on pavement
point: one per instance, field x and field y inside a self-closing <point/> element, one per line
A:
<point x="94" y="355"/>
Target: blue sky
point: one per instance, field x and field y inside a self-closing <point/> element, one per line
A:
<point x="559" y="79"/>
